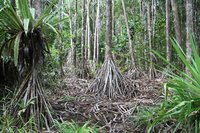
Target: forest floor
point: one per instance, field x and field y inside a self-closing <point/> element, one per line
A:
<point x="70" y="102"/>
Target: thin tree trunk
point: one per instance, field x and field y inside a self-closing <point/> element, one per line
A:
<point x="150" y="38"/>
<point x="86" y="38"/>
<point x="93" y="31"/>
<point x="98" y="31"/>
<point x="83" y="37"/>
<point x="144" y="16"/>
<point x="70" y="24"/>
<point x="113" y="15"/>
<point x="129" y="37"/>
<point x="96" y="36"/>
<point x="154" y="4"/>
<point x="108" y="29"/>
<point x="196" y="10"/>
<point x="189" y="28"/>
<point x="75" y="36"/>
<point x="169" y="47"/>
<point x="88" y="30"/>
<point x="176" y="22"/>
<point x="38" y="7"/>
<point x="60" y="40"/>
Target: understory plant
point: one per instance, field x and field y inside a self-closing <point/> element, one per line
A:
<point x="73" y="127"/>
<point x="182" y="95"/>
<point x="22" y="39"/>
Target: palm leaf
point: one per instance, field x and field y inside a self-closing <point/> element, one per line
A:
<point x="16" y="48"/>
<point x="24" y="9"/>
<point x="26" y="25"/>
<point x="10" y="18"/>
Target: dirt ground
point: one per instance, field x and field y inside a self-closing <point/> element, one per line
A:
<point x="71" y="102"/>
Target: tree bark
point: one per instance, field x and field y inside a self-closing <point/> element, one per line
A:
<point x="38" y="7"/>
<point x="144" y="20"/>
<point x="149" y="24"/>
<point x="70" y="24"/>
<point x="189" y="28"/>
<point x="75" y="35"/>
<point x="88" y="30"/>
<point x="60" y="40"/>
<point x="176" y="22"/>
<point x="153" y="12"/>
<point x="96" y="35"/>
<point x="108" y="29"/>
<point x="113" y="18"/>
<point x="83" y="37"/>
<point x="168" y="44"/>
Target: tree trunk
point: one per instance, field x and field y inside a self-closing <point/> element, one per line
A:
<point x="38" y="7"/>
<point x="176" y="22"/>
<point x="86" y="38"/>
<point x="168" y="44"/>
<point x="196" y="10"/>
<point x="144" y="20"/>
<point x="108" y="29"/>
<point x="88" y="30"/>
<point x="83" y="38"/>
<point x="113" y="19"/>
<point x="189" y="28"/>
<point x="75" y="36"/>
<point x="70" y="24"/>
<point x="60" y="40"/>
<point x="109" y="81"/>
<point x="96" y="35"/>
<point x="93" y="32"/>
<point x="149" y="23"/>
<point x="129" y="37"/>
<point x="153" y="7"/>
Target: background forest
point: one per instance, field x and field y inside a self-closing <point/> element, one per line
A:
<point x="91" y="66"/>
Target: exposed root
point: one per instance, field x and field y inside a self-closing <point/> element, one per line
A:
<point x="29" y="102"/>
<point x="116" y="115"/>
<point x="68" y="65"/>
<point x="134" y="74"/>
<point x="152" y="73"/>
<point x="109" y="81"/>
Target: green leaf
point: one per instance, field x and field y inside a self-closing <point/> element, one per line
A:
<point x="24" y="9"/>
<point x="16" y="48"/>
<point x="32" y="10"/>
<point x="26" y="25"/>
<point x="40" y="21"/>
<point x="10" y="19"/>
<point x="53" y="29"/>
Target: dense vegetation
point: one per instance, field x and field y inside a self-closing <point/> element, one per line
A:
<point x="90" y="66"/>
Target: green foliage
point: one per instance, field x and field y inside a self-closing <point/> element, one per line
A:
<point x="144" y="116"/>
<point x="182" y="93"/>
<point x="13" y="25"/>
<point x="72" y="127"/>
<point x="23" y="37"/>
<point x="8" y="125"/>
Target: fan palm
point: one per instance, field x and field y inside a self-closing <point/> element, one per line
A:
<point x="21" y="36"/>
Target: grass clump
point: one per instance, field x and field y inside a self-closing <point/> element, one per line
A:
<point x="73" y="127"/>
